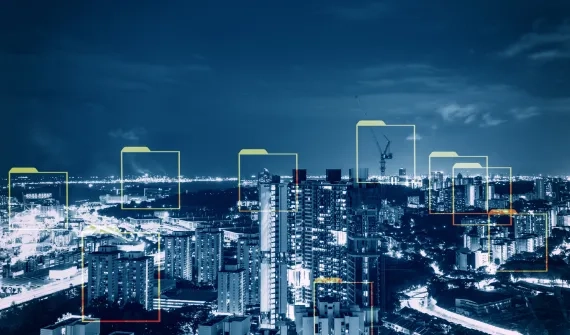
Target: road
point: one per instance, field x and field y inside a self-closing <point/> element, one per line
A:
<point x="419" y="302"/>
<point x="43" y="291"/>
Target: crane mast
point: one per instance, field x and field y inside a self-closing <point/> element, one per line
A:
<point x="384" y="153"/>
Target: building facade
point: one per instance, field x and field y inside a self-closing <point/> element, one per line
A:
<point x="209" y="253"/>
<point x="231" y="290"/>
<point x="274" y="251"/>
<point x="178" y="249"/>
<point x="120" y="276"/>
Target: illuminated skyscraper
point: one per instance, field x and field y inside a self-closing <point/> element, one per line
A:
<point x="329" y="235"/>
<point x="365" y="255"/>
<point x="539" y="189"/>
<point x="317" y="233"/>
<point x="274" y="251"/>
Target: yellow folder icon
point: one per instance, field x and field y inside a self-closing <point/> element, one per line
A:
<point x="146" y="151"/>
<point x="380" y="123"/>
<point x="490" y="211"/>
<point x="449" y="154"/>
<point x="28" y="171"/>
<point x="263" y="152"/>
<point x="544" y="218"/>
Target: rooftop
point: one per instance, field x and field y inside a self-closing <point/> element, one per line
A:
<point x="214" y="320"/>
<point x="68" y="322"/>
<point x="479" y="297"/>
<point x="191" y="294"/>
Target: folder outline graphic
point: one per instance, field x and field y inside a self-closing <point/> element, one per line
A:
<point x="447" y="154"/>
<point x="381" y="123"/>
<point x="264" y="152"/>
<point x="143" y="150"/>
<point x="545" y="215"/>
<point x="501" y="211"/>
<point x="33" y="170"/>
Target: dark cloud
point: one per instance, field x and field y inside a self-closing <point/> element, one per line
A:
<point x="218" y="78"/>
<point x="134" y="134"/>
<point x="543" y="46"/>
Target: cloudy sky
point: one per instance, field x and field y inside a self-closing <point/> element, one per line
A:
<point x="82" y="79"/>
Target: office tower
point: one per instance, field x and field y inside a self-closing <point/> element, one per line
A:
<point x="439" y="180"/>
<point x="425" y="183"/>
<point x="249" y="258"/>
<point x="459" y="196"/>
<point x="477" y="180"/>
<point x="365" y="257"/>
<point x="459" y="180"/>
<point x="209" y="252"/>
<point x="299" y="175"/>
<point x="333" y="175"/>
<point x="470" y="195"/>
<point x="329" y="235"/>
<point x="274" y="253"/>
<point x="231" y="290"/>
<point x="299" y="224"/>
<point x="539" y="189"/>
<point x="402" y="175"/>
<point x="120" y="277"/>
<point x="362" y="175"/>
<point x="490" y="193"/>
<point x="462" y="259"/>
<point x="317" y="234"/>
<point x="178" y="249"/>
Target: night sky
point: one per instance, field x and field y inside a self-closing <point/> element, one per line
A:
<point x="79" y="80"/>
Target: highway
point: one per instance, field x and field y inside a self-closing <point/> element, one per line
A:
<point x="43" y="291"/>
<point x="419" y="301"/>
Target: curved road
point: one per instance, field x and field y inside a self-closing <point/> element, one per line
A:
<point x="43" y="291"/>
<point x="418" y="300"/>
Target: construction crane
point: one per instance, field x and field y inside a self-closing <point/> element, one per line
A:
<point x="384" y="153"/>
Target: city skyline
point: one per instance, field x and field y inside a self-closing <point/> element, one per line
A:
<point x="301" y="167"/>
<point x="80" y="83"/>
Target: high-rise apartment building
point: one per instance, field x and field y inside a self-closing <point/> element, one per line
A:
<point x="540" y="188"/>
<point x="178" y="250"/>
<point x="249" y="259"/>
<point x="209" y="253"/>
<point x="530" y="224"/>
<point x="329" y="234"/>
<point x="330" y="317"/>
<point x="274" y="242"/>
<point x="402" y="175"/>
<point x="299" y="235"/>
<point x="317" y="235"/>
<point x="365" y="257"/>
<point x="231" y="290"/>
<point x="120" y="276"/>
